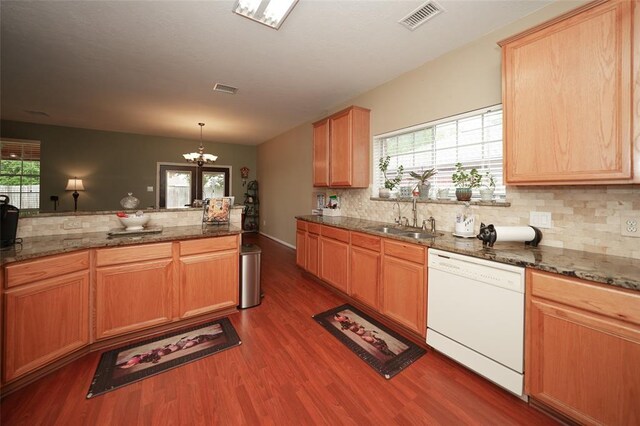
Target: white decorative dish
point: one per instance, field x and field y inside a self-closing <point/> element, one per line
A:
<point x="134" y="223"/>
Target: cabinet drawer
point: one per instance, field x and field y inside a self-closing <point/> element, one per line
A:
<point x="335" y="233"/>
<point x="301" y="225"/>
<point x="365" y="241"/>
<point x="313" y="228"/>
<point x="114" y="256"/>
<point x="206" y="245"/>
<point x="596" y="298"/>
<point x="406" y="251"/>
<point x="37" y="270"/>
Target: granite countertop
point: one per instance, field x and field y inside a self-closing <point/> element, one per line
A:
<point x="613" y="270"/>
<point x="37" y="214"/>
<point x="55" y="244"/>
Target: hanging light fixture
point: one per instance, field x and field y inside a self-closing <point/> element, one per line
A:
<point x="200" y="157"/>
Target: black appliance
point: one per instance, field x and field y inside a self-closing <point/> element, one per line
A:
<point x="8" y="222"/>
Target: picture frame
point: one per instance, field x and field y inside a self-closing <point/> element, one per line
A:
<point x="216" y="211"/>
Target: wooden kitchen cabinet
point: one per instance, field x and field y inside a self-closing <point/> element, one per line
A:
<point x="301" y="243"/>
<point x="334" y="257"/>
<point x="44" y="321"/>
<point x="208" y="275"/>
<point x="365" y="269"/>
<point x="583" y="348"/>
<point x="133" y="288"/>
<point x="312" y="248"/>
<point x="341" y="144"/>
<point x="404" y="284"/>
<point x="567" y="94"/>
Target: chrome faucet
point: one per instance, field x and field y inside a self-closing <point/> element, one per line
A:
<point x="432" y="224"/>
<point x="415" y="212"/>
<point x="397" y="220"/>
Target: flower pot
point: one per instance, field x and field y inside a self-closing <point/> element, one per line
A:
<point x="486" y="194"/>
<point x="424" y="191"/>
<point x="463" y="194"/>
<point x="384" y="193"/>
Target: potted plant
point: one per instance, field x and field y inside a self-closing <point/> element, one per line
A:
<point x="389" y="184"/>
<point x="488" y="187"/>
<point x="423" y="184"/>
<point x="465" y="182"/>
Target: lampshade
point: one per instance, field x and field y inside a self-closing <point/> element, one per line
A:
<point x="75" y="184"/>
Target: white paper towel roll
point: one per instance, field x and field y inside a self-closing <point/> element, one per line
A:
<point x="515" y="233"/>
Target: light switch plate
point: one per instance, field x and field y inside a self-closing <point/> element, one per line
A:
<point x="540" y="219"/>
<point x="630" y="226"/>
<point x="149" y="188"/>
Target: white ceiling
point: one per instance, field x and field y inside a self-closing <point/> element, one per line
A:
<point x="149" y="67"/>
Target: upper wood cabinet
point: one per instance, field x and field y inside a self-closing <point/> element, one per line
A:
<point x="341" y="149"/>
<point x="583" y="348"/>
<point x="567" y="93"/>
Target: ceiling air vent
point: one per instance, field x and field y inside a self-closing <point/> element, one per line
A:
<point x="225" y="89"/>
<point x="421" y="15"/>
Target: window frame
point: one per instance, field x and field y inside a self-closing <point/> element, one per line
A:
<point x="196" y="193"/>
<point x="493" y="162"/>
<point x="23" y="143"/>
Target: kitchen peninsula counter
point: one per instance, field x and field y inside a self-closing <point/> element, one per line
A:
<point x="612" y="270"/>
<point x="35" y="247"/>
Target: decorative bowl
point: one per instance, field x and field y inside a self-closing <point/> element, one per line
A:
<point x="134" y="223"/>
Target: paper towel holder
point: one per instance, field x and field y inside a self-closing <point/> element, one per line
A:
<point x="489" y="234"/>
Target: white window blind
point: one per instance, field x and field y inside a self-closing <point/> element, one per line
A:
<point x="473" y="139"/>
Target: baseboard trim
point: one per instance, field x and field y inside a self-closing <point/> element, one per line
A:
<point x="284" y="243"/>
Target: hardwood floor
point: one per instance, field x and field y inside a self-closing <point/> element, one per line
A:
<point x="288" y="370"/>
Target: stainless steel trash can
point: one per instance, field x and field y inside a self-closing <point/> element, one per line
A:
<point x="250" y="292"/>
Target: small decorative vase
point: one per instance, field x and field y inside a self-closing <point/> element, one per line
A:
<point x="129" y="202"/>
<point x="424" y="191"/>
<point x="486" y="194"/>
<point x="463" y="194"/>
<point x="384" y="193"/>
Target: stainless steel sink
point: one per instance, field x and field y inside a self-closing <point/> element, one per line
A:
<point x="405" y="232"/>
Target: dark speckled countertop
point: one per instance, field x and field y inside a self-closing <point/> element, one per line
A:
<point x="35" y="247"/>
<point x="614" y="270"/>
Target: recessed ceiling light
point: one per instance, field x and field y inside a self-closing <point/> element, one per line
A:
<point x="225" y="89"/>
<point x="268" y="12"/>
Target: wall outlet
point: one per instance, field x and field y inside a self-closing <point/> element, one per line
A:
<point x="540" y="219"/>
<point x="264" y="222"/>
<point x="630" y="226"/>
<point x="72" y="224"/>
<point x="149" y="188"/>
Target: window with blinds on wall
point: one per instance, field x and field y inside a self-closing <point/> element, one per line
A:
<point x="20" y="173"/>
<point x="473" y="139"/>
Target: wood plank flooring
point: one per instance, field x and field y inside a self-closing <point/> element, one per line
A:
<point x="288" y="370"/>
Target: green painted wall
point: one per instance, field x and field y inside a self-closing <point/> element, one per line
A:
<point x="112" y="164"/>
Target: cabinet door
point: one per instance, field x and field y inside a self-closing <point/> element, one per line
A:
<point x="341" y="152"/>
<point x="301" y="255"/>
<point x="208" y="282"/>
<point x="321" y="153"/>
<point x="45" y="321"/>
<point x="567" y="99"/>
<point x="312" y="253"/>
<point x="404" y="293"/>
<point x="365" y="276"/>
<point x="334" y="263"/>
<point x="584" y="365"/>
<point x="132" y="297"/>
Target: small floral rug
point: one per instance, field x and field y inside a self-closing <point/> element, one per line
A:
<point x="384" y="350"/>
<point x="122" y="366"/>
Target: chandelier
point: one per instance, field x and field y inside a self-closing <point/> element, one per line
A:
<point x="200" y="157"/>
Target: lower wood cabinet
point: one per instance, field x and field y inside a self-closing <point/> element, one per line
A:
<point x="583" y="349"/>
<point x="334" y="263"/>
<point x="45" y="321"/>
<point x="312" y="253"/>
<point x="133" y="296"/>
<point x="404" y="285"/>
<point x="301" y="252"/>
<point x="365" y="269"/>
<point x="208" y="283"/>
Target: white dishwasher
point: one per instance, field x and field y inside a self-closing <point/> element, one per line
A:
<point x="475" y="315"/>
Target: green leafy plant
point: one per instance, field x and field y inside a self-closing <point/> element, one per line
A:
<point x="424" y="176"/>
<point x="463" y="179"/>
<point x="488" y="180"/>
<point x="383" y="165"/>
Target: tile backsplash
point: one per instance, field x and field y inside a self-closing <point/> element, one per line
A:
<point x="584" y="218"/>
<point x="45" y="225"/>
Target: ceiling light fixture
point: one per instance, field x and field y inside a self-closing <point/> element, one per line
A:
<point x="268" y="12"/>
<point x="200" y="157"/>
